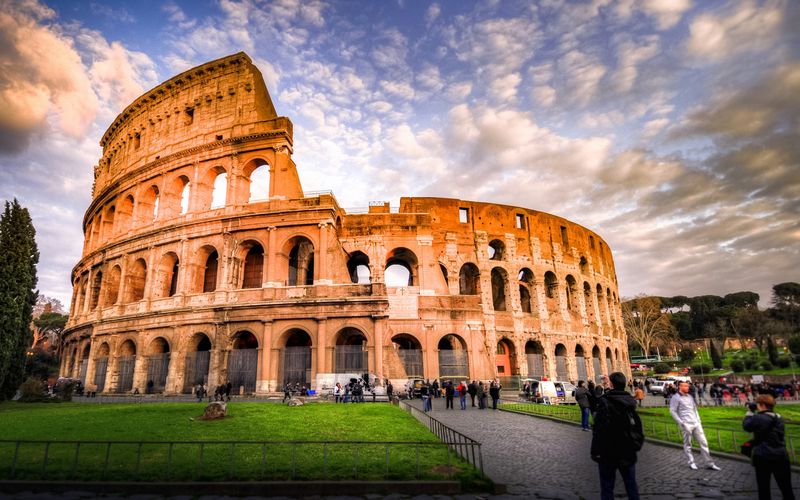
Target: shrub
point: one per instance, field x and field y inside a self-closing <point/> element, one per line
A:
<point x="686" y="354"/>
<point x="751" y="362"/>
<point x="784" y="361"/>
<point x="766" y="365"/>
<point x="737" y="365"/>
<point x="699" y="368"/>
<point x="661" y="368"/>
<point x="797" y="359"/>
<point x="31" y="391"/>
<point x="794" y="344"/>
<point x="715" y="358"/>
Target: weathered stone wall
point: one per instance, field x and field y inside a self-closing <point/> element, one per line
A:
<point x="183" y="256"/>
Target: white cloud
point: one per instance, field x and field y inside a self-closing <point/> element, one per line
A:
<point x="545" y="95"/>
<point x="629" y="55"/>
<point x="653" y="127"/>
<point x="433" y="12"/>
<point x="666" y="13"/>
<point x="581" y="75"/>
<point x="504" y="88"/>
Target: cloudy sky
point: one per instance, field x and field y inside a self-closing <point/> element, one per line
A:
<point x="670" y="127"/>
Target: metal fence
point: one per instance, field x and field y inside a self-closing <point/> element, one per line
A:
<point x="464" y="446"/>
<point x="178" y="461"/>
<point x="719" y="439"/>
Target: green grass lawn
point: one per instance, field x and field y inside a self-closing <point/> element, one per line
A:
<point x="245" y="422"/>
<point x="722" y="425"/>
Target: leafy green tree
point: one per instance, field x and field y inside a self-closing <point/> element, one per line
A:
<point x="18" y="258"/>
<point x="786" y="303"/>
<point x="794" y="344"/>
<point x="48" y="327"/>
<point x="686" y="354"/>
<point x="772" y="351"/>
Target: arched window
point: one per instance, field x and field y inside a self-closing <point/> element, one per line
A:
<point x="253" y="267"/>
<point x="167" y="276"/>
<point x="350" y="352"/>
<point x="301" y="262"/>
<point x="108" y="223"/>
<point x="453" y="359"/>
<point x="124" y="215"/>
<point x="157" y="365"/>
<point x="401" y="268"/>
<point x="572" y="295"/>
<point x="526" y="285"/>
<point x="496" y="250"/>
<point x="197" y="362"/>
<point x="111" y="295"/>
<point x="185" y="194"/>
<point x="409" y="350"/>
<point x="147" y="208"/>
<point x="596" y="362"/>
<point x="243" y="362"/>
<point x="580" y="363"/>
<point x="584" y="265"/>
<point x="210" y="272"/>
<point x="126" y="364"/>
<point x="259" y="184"/>
<point x="358" y="267"/>
<point x="219" y="194"/>
<point x="561" y="362"/>
<point x="550" y="285"/>
<point x="95" y="294"/>
<point x="137" y="276"/>
<point x="297" y="357"/>
<point x="534" y="353"/>
<point x="499" y="282"/>
<point x="469" y="280"/>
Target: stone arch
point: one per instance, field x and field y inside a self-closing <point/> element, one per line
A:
<point x="197" y="363"/>
<point x="254" y="185"/>
<point x="80" y="283"/>
<point x="571" y="293"/>
<point x="469" y="280"/>
<point x="243" y="362"/>
<point x="453" y="357"/>
<point x="166" y="282"/>
<point x="350" y="351"/>
<point x="252" y="274"/>
<point x="148" y="207"/>
<point x="108" y="223"/>
<point x="587" y="300"/>
<point x="212" y="190"/>
<point x="135" y="281"/>
<point x="101" y="366"/>
<point x="296" y="360"/>
<point x="551" y="291"/>
<point x="583" y="265"/>
<point x="609" y="301"/>
<point x="562" y="373"/>
<point x="158" y="358"/>
<point x="496" y="250"/>
<point x="96" y="230"/>
<point x="358" y="267"/>
<point x="580" y="363"/>
<point x="97" y="283"/>
<point x="499" y="288"/>
<point x="300" y="253"/>
<point x="125" y="214"/>
<point x="617" y="360"/>
<point x="506" y="358"/>
<point x="598" y="370"/>
<point x="409" y="350"/>
<point x="526" y="286"/>
<point x="111" y="291"/>
<point x="443" y="269"/>
<point x="207" y="260"/>
<point x="609" y="361"/>
<point x="534" y="354"/>
<point x="126" y="365"/>
<point x="402" y="268"/>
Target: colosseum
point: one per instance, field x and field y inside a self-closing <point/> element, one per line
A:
<point x="204" y="261"/>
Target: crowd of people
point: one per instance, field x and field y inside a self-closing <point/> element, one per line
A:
<point x="478" y="392"/>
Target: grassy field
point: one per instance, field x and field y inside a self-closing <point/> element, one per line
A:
<point x="245" y="422"/>
<point x="722" y="425"/>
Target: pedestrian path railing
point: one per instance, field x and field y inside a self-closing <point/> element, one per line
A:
<point x="462" y="445"/>
<point x="719" y="438"/>
<point x="177" y="461"/>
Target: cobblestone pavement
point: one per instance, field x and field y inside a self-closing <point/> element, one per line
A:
<point x="542" y="458"/>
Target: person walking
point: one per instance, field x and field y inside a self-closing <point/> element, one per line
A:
<point x="424" y="393"/>
<point x="684" y="410"/>
<point x="616" y="438"/>
<point x="481" y="395"/>
<point x="389" y="390"/>
<point x="494" y="392"/>
<point x="769" y="447"/>
<point x="473" y="391"/>
<point x="449" y="393"/>
<point x="462" y="394"/>
<point x="582" y="398"/>
<point x="638" y="395"/>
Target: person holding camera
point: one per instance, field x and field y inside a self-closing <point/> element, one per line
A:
<point x="769" y="454"/>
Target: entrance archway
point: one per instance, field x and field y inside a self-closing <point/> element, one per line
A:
<point x="350" y="352"/>
<point x="561" y="363"/>
<point x="534" y="352"/>
<point x="101" y="367"/>
<point x="243" y="362"/>
<point x="297" y="358"/>
<point x="409" y="350"/>
<point x="126" y="365"/>
<point x="596" y="363"/>
<point x="157" y="365"/>
<point x="505" y="358"/>
<point x="453" y="359"/>
<point x="197" y="363"/>
<point x="580" y="363"/>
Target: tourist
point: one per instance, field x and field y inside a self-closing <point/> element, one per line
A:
<point x="287" y="392"/>
<point x="494" y="392"/>
<point x="337" y="392"/>
<point x="473" y="391"/>
<point x="616" y="439"/>
<point x="199" y="392"/>
<point x="449" y="392"/>
<point x="228" y="388"/>
<point x="769" y="447"/>
<point x="481" y="394"/>
<point x="582" y="398"/>
<point x="638" y="395"/>
<point x="684" y="410"/>
<point x="389" y="390"/>
<point x="462" y="394"/>
<point x="426" y="398"/>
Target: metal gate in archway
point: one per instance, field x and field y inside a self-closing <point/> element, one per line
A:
<point x="597" y="370"/>
<point x="196" y="370"/>
<point x="535" y="365"/>
<point x="297" y="365"/>
<point x="412" y="362"/>
<point x="157" y="369"/>
<point x="453" y="363"/>
<point x="580" y="364"/>
<point x="82" y="373"/>
<point x="561" y="368"/>
<point x="100" y="369"/>
<point x="242" y="366"/>
<point x="125" y="380"/>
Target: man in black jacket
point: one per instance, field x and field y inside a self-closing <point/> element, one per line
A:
<point x="617" y="437"/>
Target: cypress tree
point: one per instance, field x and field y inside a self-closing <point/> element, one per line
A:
<point x="18" y="258"/>
<point x="772" y="351"/>
<point x="715" y="358"/>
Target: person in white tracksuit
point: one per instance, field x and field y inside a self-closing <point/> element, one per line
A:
<point x="684" y="411"/>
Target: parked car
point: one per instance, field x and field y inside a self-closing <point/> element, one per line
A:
<point x="658" y="386"/>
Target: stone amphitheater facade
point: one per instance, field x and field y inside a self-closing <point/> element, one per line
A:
<point x="205" y="262"/>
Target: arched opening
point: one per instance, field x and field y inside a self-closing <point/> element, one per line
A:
<point x="101" y="367"/>
<point x="600" y="302"/>
<point x="587" y="300"/>
<point x="147" y="209"/>
<point x="409" y="350"/>
<point x="573" y="305"/>
<point x="253" y="270"/>
<point x="84" y="364"/>
<point x="108" y="223"/>
<point x="443" y="269"/>
<point x="526" y="285"/>
<point x="580" y="363"/>
<point x="584" y="265"/>
<point x="258" y="181"/>
<point x="136" y="281"/>
<point x="617" y="362"/>
<point x="609" y="361"/>
<point x="499" y="283"/>
<point x="219" y="190"/>
<point x="534" y="352"/>
<point x="126" y="366"/>
<point x="210" y="272"/>
<point x="297" y="358"/>
<point x="401" y="268"/>
<point x="243" y="363"/>
<point x="94" y="298"/>
<point x="551" y="291"/>
<point x="596" y="363"/>
<point x="81" y="297"/>
<point x="198" y="360"/>
<point x="505" y="361"/>
<point x="561" y="362"/>
<point x="124" y="215"/>
<point x="469" y="280"/>
<point x="611" y="314"/>
<point x="179" y="194"/>
<point x="358" y="268"/>
<point x="167" y="276"/>
<point x="453" y="358"/>
<point x="157" y="365"/>
<point x="301" y="262"/>
<point x="111" y="292"/>
<point x="350" y="352"/>
<point x="96" y="230"/>
<point x="496" y="250"/>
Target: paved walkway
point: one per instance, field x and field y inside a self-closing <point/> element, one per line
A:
<point x="542" y="458"/>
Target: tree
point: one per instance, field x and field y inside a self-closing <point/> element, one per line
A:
<point x="786" y="303"/>
<point x="716" y="360"/>
<point x="644" y="322"/>
<point x="48" y="328"/>
<point x="18" y="258"/>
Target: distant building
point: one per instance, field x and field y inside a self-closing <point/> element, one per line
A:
<point x="204" y="261"/>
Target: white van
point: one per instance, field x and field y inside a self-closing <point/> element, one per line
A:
<point x="552" y="392"/>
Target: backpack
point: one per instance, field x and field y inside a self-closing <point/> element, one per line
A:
<point x="628" y="423"/>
